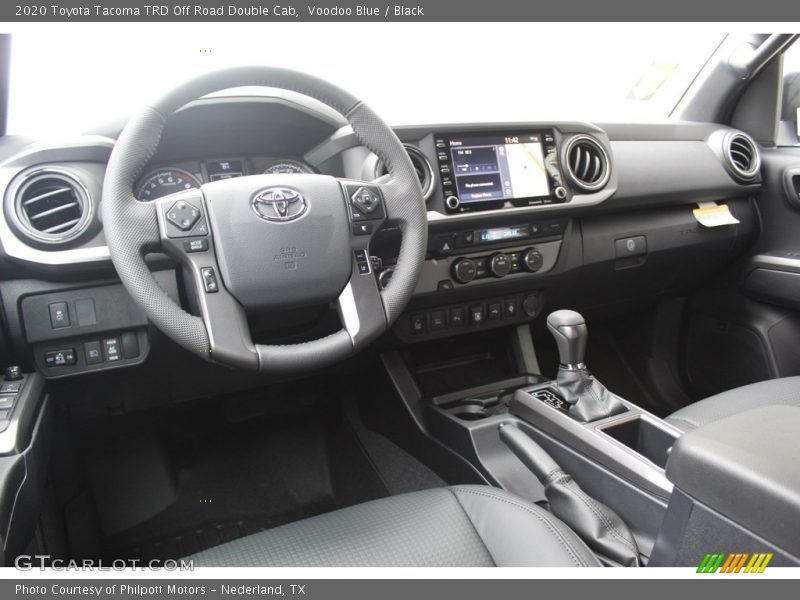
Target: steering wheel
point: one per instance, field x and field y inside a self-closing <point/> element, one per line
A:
<point x="266" y="242"/>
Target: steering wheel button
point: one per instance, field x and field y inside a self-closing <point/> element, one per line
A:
<point x="209" y="280"/>
<point x="201" y="228"/>
<point x="365" y="200"/>
<point x="199" y="245"/>
<point x="183" y="215"/>
<point x="362" y="228"/>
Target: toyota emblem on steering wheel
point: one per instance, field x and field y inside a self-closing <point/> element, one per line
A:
<point x="279" y="204"/>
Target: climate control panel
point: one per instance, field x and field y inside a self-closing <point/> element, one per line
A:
<point x="485" y="268"/>
<point x="499" y="264"/>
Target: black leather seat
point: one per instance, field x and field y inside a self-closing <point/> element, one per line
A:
<point x="764" y="393"/>
<point x="472" y="526"/>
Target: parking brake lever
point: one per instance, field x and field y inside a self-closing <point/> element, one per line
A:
<point x="600" y="527"/>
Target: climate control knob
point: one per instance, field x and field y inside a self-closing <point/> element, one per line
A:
<point x="499" y="264"/>
<point x="533" y="260"/>
<point x="464" y="270"/>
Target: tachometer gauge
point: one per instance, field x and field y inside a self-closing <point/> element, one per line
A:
<point x="163" y="182"/>
<point x="287" y="166"/>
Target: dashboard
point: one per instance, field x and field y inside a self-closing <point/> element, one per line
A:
<point x="521" y="216"/>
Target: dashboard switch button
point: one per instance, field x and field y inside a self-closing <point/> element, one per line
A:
<point x="510" y="308"/>
<point x="59" y="315"/>
<point x="476" y="314"/>
<point x="456" y="317"/>
<point x="111" y="350"/>
<point x="438" y="320"/>
<point x="418" y="324"/>
<point x="60" y="358"/>
<point x="444" y="244"/>
<point x="444" y="285"/>
<point x="494" y="311"/>
<point x="93" y="353"/>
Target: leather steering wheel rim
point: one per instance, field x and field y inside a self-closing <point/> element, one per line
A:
<point x="134" y="229"/>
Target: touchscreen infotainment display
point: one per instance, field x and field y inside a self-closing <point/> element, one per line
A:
<point x="498" y="167"/>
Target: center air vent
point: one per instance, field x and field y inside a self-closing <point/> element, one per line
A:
<point x="51" y="206"/>
<point x="742" y="156"/>
<point x="421" y="165"/>
<point x="587" y="163"/>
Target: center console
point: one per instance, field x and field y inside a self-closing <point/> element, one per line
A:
<point x="617" y="455"/>
<point x="635" y="488"/>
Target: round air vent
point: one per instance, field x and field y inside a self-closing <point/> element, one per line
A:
<point x="742" y="156"/>
<point x="421" y="165"/>
<point x="51" y="206"/>
<point x="587" y="163"/>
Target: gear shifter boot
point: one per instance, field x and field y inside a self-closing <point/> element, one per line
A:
<point x="589" y="399"/>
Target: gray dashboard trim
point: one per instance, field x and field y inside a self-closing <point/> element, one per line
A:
<point x="90" y="148"/>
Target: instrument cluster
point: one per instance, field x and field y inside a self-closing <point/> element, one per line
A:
<point x="169" y="179"/>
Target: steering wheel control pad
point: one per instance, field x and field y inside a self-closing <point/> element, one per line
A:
<point x="280" y="240"/>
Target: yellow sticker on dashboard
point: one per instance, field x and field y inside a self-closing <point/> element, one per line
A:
<point x="711" y="214"/>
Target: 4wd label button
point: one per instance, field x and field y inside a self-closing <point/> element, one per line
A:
<point x="111" y="349"/>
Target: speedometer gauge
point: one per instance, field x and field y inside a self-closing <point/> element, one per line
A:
<point x="287" y="166"/>
<point x="163" y="182"/>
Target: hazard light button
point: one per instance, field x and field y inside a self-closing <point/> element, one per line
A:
<point x="444" y="244"/>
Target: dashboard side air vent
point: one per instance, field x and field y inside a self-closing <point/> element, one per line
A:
<point x="421" y="165"/>
<point x="587" y="163"/>
<point x="742" y="156"/>
<point x="51" y="206"/>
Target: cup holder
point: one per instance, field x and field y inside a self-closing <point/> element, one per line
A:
<point x="470" y="411"/>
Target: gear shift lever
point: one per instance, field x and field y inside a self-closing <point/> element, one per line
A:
<point x="589" y="399"/>
<point x="569" y="330"/>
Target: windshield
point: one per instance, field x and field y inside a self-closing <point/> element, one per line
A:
<point x="67" y="80"/>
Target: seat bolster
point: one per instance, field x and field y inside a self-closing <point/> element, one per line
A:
<point x="418" y="529"/>
<point x="783" y="391"/>
<point x="518" y="533"/>
<point x="462" y="526"/>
